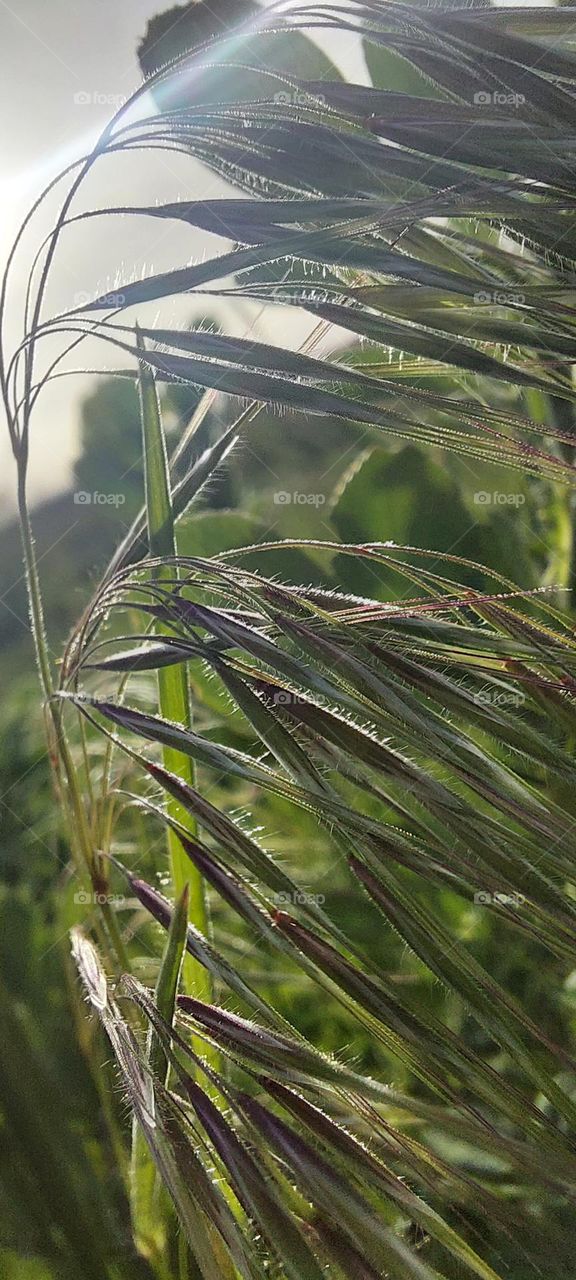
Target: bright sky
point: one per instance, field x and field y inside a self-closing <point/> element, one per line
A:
<point x="65" y="65"/>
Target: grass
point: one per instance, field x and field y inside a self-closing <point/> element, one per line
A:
<point x="414" y="743"/>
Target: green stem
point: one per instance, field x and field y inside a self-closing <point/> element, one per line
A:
<point x="173" y="691"/>
<point x="34" y="594"/>
<point x="175" y="705"/>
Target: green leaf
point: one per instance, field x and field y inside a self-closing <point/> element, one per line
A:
<point x="173" y="691"/>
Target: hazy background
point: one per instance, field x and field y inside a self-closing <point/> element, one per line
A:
<point x="51" y="54"/>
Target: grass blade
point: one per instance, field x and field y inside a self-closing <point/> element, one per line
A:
<point x="173" y="691"/>
<point x="147" y="1225"/>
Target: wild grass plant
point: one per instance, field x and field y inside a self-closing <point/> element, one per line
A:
<point x="419" y="736"/>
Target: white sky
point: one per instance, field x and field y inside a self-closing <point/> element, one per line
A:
<point x="50" y="53"/>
